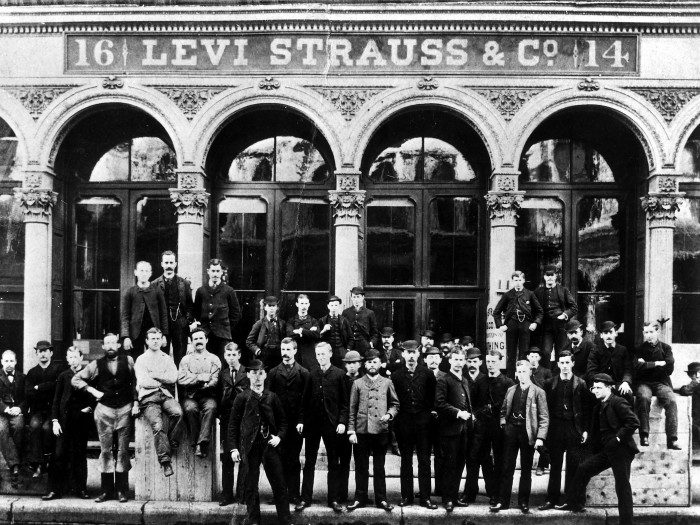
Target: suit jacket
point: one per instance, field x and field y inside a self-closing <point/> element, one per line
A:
<point x="370" y="401"/>
<point x="346" y="335"/>
<point x="260" y="335"/>
<point x="647" y="372"/>
<point x="541" y="375"/>
<point x="616" y="363"/>
<point x="289" y="387"/>
<point x="537" y="418"/>
<point x="41" y="397"/>
<point x="489" y="397"/>
<point x="581" y="354"/>
<point x="620" y="416"/>
<point x="566" y="299"/>
<point x="332" y="385"/>
<point x="423" y="385"/>
<point x="529" y="305"/>
<point x="581" y="405"/>
<point x="13" y="394"/>
<point x="363" y="324"/>
<point x="217" y="309"/>
<point x="451" y="396"/>
<point x="64" y="392"/>
<point x="392" y="360"/>
<point x="185" y="292"/>
<point x="306" y="342"/>
<point x="244" y="423"/>
<point x="133" y="308"/>
<point x="229" y="387"/>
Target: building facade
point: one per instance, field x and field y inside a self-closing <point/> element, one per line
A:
<point x="424" y="151"/>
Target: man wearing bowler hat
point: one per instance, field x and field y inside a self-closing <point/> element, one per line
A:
<point x="613" y="359"/>
<point x="558" y="306"/>
<point x="579" y="347"/>
<point x="427" y="339"/>
<point x="447" y="343"/>
<point x="474" y="460"/>
<point x="540" y="373"/>
<point x="612" y="435"/>
<point x="304" y="330"/>
<point x="335" y="330"/>
<point x="266" y="335"/>
<point x="353" y="371"/>
<point x="256" y="430"/>
<point x="693" y="389"/>
<point x="433" y="358"/>
<point x="390" y="354"/>
<point x="363" y="323"/>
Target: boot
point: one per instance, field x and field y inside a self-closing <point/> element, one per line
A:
<point x="122" y="486"/>
<point x="107" y="487"/>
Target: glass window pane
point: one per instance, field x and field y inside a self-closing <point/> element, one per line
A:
<point x="98" y="246"/>
<point x="11" y="241"/>
<point x="686" y="272"/>
<point x="249" y="300"/>
<point x="396" y="313"/>
<point x="95" y="313"/>
<point x="297" y="160"/>
<point x="243" y="242"/>
<point x="142" y="159"/>
<point x="456" y="316"/>
<point x="318" y="307"/>
<point x="454" y="241"/>
<point x="564" y="160"/>
<point x="8" y="159"/>
<point x="601" y="227"/>
<point x="690" y="161"/>
<point x="390" y="242"/>
<point x="306" y="244"/>
<point x="444" y="162"/>
<point x="255" y="163"/>
<point x="594" y="309"/>
<point x="686" y="312"/>
<point x="539" y="237"/>
<point x="399" y="163"/>
<point x="156" y="230"/>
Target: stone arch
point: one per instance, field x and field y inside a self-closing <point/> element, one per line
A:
<point x="685" y="124"/>
<point x="20" y="122"/>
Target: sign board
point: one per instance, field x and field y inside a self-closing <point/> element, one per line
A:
<point x="495" y="339"/>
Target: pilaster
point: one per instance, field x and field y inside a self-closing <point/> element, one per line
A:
<point x="37" y="198"/>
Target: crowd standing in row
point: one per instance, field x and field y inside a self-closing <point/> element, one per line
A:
<point x="341" y="380"/>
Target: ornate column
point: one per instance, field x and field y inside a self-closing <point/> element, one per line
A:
<point x="347" y="202"/>
<point x="660" y="205"/>
<point x="37" y="198"/>
<point x="191" y="199"/>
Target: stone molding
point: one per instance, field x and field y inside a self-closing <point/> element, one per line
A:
<point x="190" y="204"/>
<point x="112" y="82"/>
<point x="503" y="207"/>
<point x="428" y="84"/>
<point x="37" y="98"/>
<point x="269" y="83"/>
<point x="661" y="208"/>
<point x="508" y="101"/>
<point x="347" y="206"/>
<point x="668" y="101"/>
<point x="36" y="203"/>
<point x="189" y="99"/>
<point x="588" y="84"/>
<point x="348" y="101"/>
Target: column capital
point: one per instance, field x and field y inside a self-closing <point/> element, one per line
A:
<point x="661" y="208"/>
<point x="190" y="198"/>
<point x="37" y="203"/>
<point x="503" y="207"/>
<point x="347" y="206"/>
<point x="505" y="180"/>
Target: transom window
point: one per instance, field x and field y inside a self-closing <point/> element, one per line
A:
<point x="142" y="159"/>
<point x="564" y="160"/>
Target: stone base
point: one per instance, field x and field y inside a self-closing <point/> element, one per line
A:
<point x="27" y="484"/>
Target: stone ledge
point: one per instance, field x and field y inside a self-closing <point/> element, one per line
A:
<point x="76" y="511"/>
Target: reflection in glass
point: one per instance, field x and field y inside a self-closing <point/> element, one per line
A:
<point x="686" y="272"/>
<point x="95" y="313"/>
<point x="8" y="160"/>
<point x="242" y="241"/>
<point x="390" y="242"/>
<point x="156" y="230"/>
<point x="596" y="308"/>
<point x="421" y="158"/>
<point x="564" y="160"/>
<point x="142" y="159"/>
<point x="456" y="316"/>
<point x="539" y="237"/>
<point x="305" y="245"/>
<point x="11" y="240"/>
<point x="396" y="313"/>
<point x="281" y="159"/>
<point x="454" y="227"/>
<point x="690" y="162"/>
<point x="249" y="301"/>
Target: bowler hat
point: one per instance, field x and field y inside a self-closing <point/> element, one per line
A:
<point x="271" y="300"/>
<point x="572" y="325"/>
<point x="607" y="326"/>
<point x="410" y="344"/>
<point x="43" y="345"/>
<point x="473" y="353"/>
<point x="466" y="340"/>
<point x="693" y="368"/>
<point x="387" y="331"/>
<point x="255" y="364"/>
<point x="550" y="268"/>
<point x="334" y="298"/>
<point x="446" y="337"/>
<point x="372" y="354"/>
<point x="533" y="350"/>
<point x="433" y="350"/>
<point x="428" y="333"/>
<point x="603" y="378"/>
<point x="357" y="290"/>
<point x="353" y="356"/>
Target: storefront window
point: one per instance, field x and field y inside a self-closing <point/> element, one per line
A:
<point x="396" y="313"/>
<point x="564" y="161"/>
<point x="454" y="227"/>
<point x="8" y="159"/>
<point x="686" y="272"/>
<point x="690" y="162"/>
<point x="457" y="316"/>
<point x="390" y="241"/>
<point x="142" y="159"/>
<point x="539" y="237"/>
<point x="156" y="230"/>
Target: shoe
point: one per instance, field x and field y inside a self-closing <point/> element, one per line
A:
<point x="406" y="502"/>
<point x="524" y="508"/>
<point x="83" y="495"/>
<point x="37" y="472"/>
<point x="102" y="497"/>
<point x="337" y="507"/>
<point x="492" y="502"/>
<point x="301" y="506"/>
<point x="354" y="506"/>
<point x="428" y="504"/>
<point x="539" y="471"/>
<point x="122" y="497"/>
<point x="14" y="477"/>
<point x="225" y="502"/>
<point x="570" y="507"/>
<point x="51" y="495"/>
<point x="167" y="469"/>
<point x="548" y="505"/>
<point x="498" y="507"/>
<point x="644" y="441"/>
<point x="294" y="501"/>
<point x="673" y="445"/>
<point x="384" y="505"/>
<point x="462" y="502"/>
<point x="449" y="506"/>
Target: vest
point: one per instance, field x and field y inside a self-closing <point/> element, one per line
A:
<point x="117" y="387"/>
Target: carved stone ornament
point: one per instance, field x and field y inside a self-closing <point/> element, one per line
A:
<point x="37" y="99"/>
<point x="32" y="180"/>
<point x="427" y="84"/>
<point x="506" y="183"/>
<point x="36" y="203"/>
<point x="508" y="101"/>
<point x="269" y="83"/>
<point x="668" y="102"/>
<point x="347" y="206"/>
<point x="188" y="181"/>
<point x="348" y="183"/>
<point x="667" y="185"/>
<point x="661" y="208"/>
<point x="190" y="99"/>
<point x="190" y="205"/>
<point x="348" y="101"/>
<point x="503" y="207"/>
<point x="588" y="84"/>
<point x="112" y="82"/>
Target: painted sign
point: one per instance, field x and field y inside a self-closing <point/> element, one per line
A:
<point x="424" y="53"/>
<point x="495" y="338"/>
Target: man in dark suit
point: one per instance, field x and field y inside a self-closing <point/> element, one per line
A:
<point x="454" y="406"/>
<point x="415" y="388"/>
<point x="71" y="414"/>
<point x="323" y="415"/>
<point x="613" y="359"/>
<point x="256" y="430"/>
<point x="216" y="309"/>
<point x="540" y="374"/>
<point x="569" y="421"/>
<point x="390" y="353"/>
<point x="288" y="380"/>
<point x="40" y="388"/>
<point x="178" y="299"/>
<point x="427" y="341"/>
<point x="143" y="307"/>
<point x="232" y="381"/>
<point x="335" y="330"/>
<point x="305" y="331"/>
<point x="474" y="461"/>
<point x="612" y="433"/>
<point x="353" y="371"/>
<point x="558" y="306"/>
<point x="13" y="408"/>
<point x="518" y="313"/>
<point x="264" y="338"/>
<point x="363" y="323"/>
<point x="579" y="347"/>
